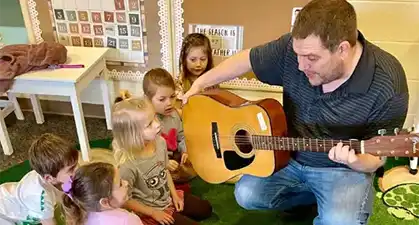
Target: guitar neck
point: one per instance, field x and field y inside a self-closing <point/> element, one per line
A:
<point x="301" y="144"/>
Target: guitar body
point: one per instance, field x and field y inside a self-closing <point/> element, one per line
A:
<point x="217" y="124"/>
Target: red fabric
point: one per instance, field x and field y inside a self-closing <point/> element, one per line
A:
<point x="185" y="187"/>
<point x="171" y="139"/>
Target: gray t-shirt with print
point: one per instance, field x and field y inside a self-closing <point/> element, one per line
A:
<point x="147" y="177"/>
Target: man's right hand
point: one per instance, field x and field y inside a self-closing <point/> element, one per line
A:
<point x="192" y="91"/>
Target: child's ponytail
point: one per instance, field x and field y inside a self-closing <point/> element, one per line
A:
<point x="91" y="183"/>
<point x="123" y="94"/>
<point x="75" y="215"/>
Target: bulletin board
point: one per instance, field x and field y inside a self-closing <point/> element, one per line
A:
<point x="136" y="31"/>
<point x="261" y="22"/>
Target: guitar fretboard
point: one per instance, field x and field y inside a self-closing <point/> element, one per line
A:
<point x="300" y="144"/>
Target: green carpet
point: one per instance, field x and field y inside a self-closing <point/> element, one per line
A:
<point x="226" y="210"/>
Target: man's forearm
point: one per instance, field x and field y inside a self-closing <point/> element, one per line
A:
<point x="367" y="163"/>
<point x="230" y="68"/>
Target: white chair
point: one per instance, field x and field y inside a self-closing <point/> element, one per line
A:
<point x="7" y="107"/>
<point x="12" y="105"/>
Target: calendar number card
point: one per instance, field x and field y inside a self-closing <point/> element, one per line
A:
<point x="116" y="24"/>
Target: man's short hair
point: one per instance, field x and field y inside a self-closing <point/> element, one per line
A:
<point x="333" y="21"/>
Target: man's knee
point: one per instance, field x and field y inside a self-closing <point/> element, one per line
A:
<point x="247" y="196"/>
<point x="333" y="217"/>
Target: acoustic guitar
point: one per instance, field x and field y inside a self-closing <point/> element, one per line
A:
<point x="227" y="136"/>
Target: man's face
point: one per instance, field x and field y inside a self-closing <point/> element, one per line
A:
<point x="318" y="63"/>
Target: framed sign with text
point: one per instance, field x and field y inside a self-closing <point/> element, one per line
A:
<point x="225" y="40"/>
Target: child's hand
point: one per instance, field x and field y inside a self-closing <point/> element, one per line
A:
<point x="162" y="217"/>
<point x="184" y="158"/>
<point x="178" y="202"/>
<point x="173" y="165"/>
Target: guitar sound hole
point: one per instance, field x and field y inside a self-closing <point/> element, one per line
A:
<point x="242" y="140"/>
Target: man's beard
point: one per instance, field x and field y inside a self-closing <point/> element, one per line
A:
<point x="336" y="73"/>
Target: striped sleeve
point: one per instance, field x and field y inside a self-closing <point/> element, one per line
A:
<point x="267" y="60"/>
<point x="391" y="115"/>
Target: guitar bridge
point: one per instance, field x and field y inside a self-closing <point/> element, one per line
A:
<point x="216" y="139"/>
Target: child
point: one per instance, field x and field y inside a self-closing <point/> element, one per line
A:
<point x="194" y="60"/>
<point x="142" y="156"/>
<point x="159" y="87"/>
<point x="95" y="195"/>
<point x="32" y="200"/>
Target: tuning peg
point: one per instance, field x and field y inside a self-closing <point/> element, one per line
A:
<point x="398" y="131"/>
<point x="413" y="165"/>
<point x="382" y="132"/>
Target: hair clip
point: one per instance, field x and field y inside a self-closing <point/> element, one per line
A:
<point x="59" y="66"/>
<point x="67" y="187"/>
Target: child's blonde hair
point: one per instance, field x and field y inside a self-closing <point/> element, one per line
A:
<point x="127" y="123"/>
<point x="190" y="41"/>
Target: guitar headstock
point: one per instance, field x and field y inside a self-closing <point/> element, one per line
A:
<point x="402" y="144"/>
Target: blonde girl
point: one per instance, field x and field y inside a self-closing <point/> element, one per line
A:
<point x="142" y="156"/>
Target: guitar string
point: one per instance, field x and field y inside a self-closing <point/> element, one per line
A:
<point x="308" y="140"/>
<point x="262" y="136"/>
<point x="289" y="146"/>
<point x="304" y="140"/>
<point x="399" y="153"/>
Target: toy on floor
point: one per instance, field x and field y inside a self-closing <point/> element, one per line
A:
<point x="403" y="201"/>
<point x="400" y="191"/>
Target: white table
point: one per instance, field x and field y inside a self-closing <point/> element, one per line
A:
<point x="69" y="82"/>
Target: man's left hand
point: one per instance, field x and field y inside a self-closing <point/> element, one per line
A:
<point x="342" y="154"/>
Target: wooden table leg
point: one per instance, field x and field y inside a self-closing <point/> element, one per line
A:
<point x="80" y="125"/>
<point x="37" y="109"/>
<point x="18" y="110"/>
<point x="106" y="102"/>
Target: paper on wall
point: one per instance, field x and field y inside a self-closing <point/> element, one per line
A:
<point x="225" y="40"/>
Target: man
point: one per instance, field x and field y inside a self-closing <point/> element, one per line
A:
<point x="336" y="85"/>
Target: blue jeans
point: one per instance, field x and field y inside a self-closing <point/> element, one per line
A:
<point x="343" y="196"/>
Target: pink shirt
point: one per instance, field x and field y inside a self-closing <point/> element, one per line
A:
<point x="113" y="217"/>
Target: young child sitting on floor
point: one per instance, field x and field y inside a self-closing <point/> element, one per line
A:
<point x="142" y="156"/>
<point x="95" y="195"/>
<point x="195" y="59"/>
<point x="159" y="87"/>
<point x="32" y="200"/>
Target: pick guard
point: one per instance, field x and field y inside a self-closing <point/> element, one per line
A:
<point x="233" y="161"/>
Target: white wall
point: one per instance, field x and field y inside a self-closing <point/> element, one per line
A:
<point x="394" y="26"/>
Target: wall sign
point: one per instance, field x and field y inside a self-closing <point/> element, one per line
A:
<point x="225" y="40"/>
<point x="294" y="14"/>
